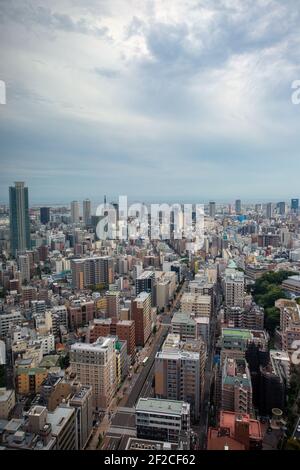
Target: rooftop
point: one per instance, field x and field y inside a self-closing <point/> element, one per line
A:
<point x="162" y="406"/>
<point x="244" y="334"/>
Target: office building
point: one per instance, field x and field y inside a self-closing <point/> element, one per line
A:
<point x="238" y="207"/>
<point x="95" y="365"/>
<point x="63" y="427"/>
<point x="164" y="420"/>
<point x="141" y="315"/>
<point x="295" y="205"/>
<point x="45" y="215"/>
<point x="19" y="218"/>
<point x="281" y="207"/>
<point x="86" y="212"/>
<point x="74" y="212"/>
<point x="269" y="210"/>
<point x="212" y="210"/>
<point x="82" y="401"/>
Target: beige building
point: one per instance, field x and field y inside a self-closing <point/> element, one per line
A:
<point x="7" y="402"/>
<point x="289" y="323"/>
<point x="95" y="365"/>
<point x="179" y="372"/>
<point x="196" y="304"/>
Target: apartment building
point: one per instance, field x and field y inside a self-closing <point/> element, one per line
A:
<point x="199" y="305"/>
<point x="179" y="372"/>
<point x="236" y="394"/>
<point x="141" y="315"/>
<point x="95" y="365"/>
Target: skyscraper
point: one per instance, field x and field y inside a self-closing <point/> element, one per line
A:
<point x="212" y="209"/>
<point x="86" y="206"/>
<point x="269" y="210"/>
<point x="238" y="206"/>
<point x="295" y="205"/>
<point x="74" y="212"/>
<point x="19" y="218"/>
<point x="45" y="215"/>
<point x="281" y="208"/>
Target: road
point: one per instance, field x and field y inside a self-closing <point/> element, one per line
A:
<point x="141" y="383"/>
<point x="204" y="413"/>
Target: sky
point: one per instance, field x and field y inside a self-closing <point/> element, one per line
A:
<point x="169" y="100"/>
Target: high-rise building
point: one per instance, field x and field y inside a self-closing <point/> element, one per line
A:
<point x="165" y="420"/>
<point x="141" y="314"/>
<point x="19" y="218"/>
<point x="179" y="372"/>
<point x="236" y="392"/>
<point x="86" y="211"/>
<point x="82" y="401"/>
<point x="269" y="210"/>
<point x="295" y="205"/>
<point x="24" y="267"/>
<point x="234" y="285"/>
<point x="212" y="210"/>
<point x="113" y="304"/>
<point x="90" y="272"/>
<point x="146" y="283"/>
<point x="74" y="212"/>
<point x="45" y="215"/>
<point x="95" y="365"/>
<point x="238" y="207"/>
<point x="281" y="206"/>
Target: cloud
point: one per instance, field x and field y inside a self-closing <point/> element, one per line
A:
<point x="151" y="99"/>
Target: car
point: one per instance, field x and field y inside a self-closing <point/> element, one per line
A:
<point x="298" y="428"/>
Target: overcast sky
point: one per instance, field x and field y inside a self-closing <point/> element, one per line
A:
<point x="185" y="100"/>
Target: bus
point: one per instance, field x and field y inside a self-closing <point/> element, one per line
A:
<point x="145" y="360"/>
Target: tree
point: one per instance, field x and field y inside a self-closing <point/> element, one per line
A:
<point x="64" y="361"/>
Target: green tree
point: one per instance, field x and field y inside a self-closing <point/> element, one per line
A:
<point x="64" y="361"/>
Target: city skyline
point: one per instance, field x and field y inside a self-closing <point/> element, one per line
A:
<point x="188" y="98"/>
